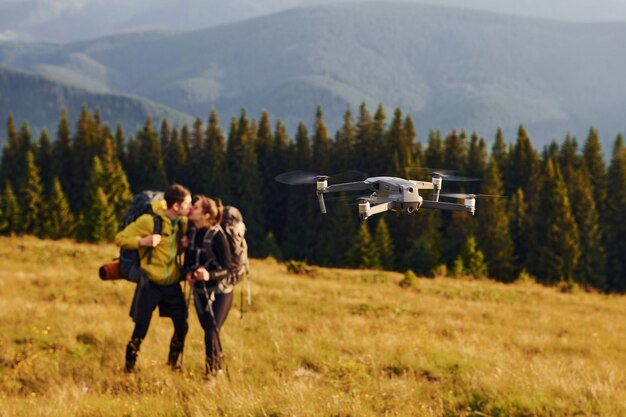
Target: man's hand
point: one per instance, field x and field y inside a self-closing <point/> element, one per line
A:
<point x="190" y="279"/>
<point x="150" y="241"/>
<point x="184" y="242"/>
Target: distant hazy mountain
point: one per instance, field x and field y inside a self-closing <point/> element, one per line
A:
<point x="38" y="101"/>
<point x="448" y="68"/>
<point x="74" y="20"/>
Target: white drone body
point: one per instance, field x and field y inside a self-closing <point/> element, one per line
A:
<point x="395" y="194"/>
<point x="387" y="193"/>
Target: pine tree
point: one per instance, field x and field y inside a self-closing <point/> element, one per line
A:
<point x="98" y="223"/>
<point x="364" y="251"/>
<point x="198" y="165"/>
<point x="278" y="210"/>
<point x="32" y="194"/>
<point x="3" y="221"/>
<point x="321" y="144"/>
<point x="234" y="149"/>
<point x="569" y="161"/>
<point x="555" y="251"/>
<point x="384" y="245"/>
<point x="63" y="153"/>
<point x="458" y="227"/>
<point x="477" y="158"/>
<point x="551" y="151"/>
<point x="133" y="164"/>
<point x="99" y="219"/>
<point x="218" y="179"/>
<point x="594" y="162"/>
<point x="120" y="144"/>
<point x="336" y="236"/>
<point x="299" y="234"/>
<point x="520" y="230"/>
<point x="44" y="160"/>
<point x="344" y="144"/>
<point x="116" y="184"/>
<point x="614" y="218"/>
<point x="421" y="256"/>
<point x="499" y="151"/>
<point x="10" y="154"/>
<point x="246" y="189"/>
<point x="523" y="168"/>
<point x="455" y="151"/>
<point x="165" y="138"/>
<point x="264" y="150"/>
<point x="473" y="259"/>
<point x="58" y="220"/>
<point x="378" y="152"/>
<point x="591" y="265"/>
<point x="176" y="159"/>
<point x="364" y="141"/>
<point x="14" y="155"/>
<point x="434" y="153"/>
<point x="492" y="227"/>
<point x="151" y="173"/>
<point x="416" y="153"/>
<point x="85" y="147"/>
<point x="397" y="147"/>
<point x="11" y="211"/>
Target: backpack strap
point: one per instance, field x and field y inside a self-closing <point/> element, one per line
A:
<point x="158" y="229"/>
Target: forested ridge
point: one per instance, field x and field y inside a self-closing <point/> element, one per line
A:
<point x="560" y="219"/>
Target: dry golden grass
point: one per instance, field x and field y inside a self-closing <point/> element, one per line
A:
<point x="335" y="343"/>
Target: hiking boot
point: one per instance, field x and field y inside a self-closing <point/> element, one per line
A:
<point x="132" y="349"/>
<point x="176" y="349"/>
<point x="212" y="370"/>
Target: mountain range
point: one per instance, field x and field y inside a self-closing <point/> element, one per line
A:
<point x="448" y="68"/>
<point x="38" y="101"/>
<point x="75" y="20"/>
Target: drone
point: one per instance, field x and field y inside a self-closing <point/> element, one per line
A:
<point x="388" y="193"/>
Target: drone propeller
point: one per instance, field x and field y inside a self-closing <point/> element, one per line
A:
<point x="460" y="195"/>
<point x="304" y="177"/>
<point x="299" y="177"/>
<point x="446" y="174"/>
<point x="450" y="177"/>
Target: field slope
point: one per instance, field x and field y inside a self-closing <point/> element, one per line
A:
<point x="336" y="342"/>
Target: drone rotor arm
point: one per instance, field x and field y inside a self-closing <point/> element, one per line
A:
<point x="445" y="206"/>
<point x="348" y="186"/>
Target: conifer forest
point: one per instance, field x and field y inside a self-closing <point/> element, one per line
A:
<point x="560" y="217"/>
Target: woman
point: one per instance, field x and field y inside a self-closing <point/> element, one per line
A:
<point x="207" y="263"/>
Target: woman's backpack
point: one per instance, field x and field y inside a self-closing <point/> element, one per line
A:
<point x="235" y="230"/>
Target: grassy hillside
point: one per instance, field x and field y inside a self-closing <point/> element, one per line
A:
<point x="449" y="68"/>
<point x="335" y="342"/>
<point x="38" y="101"/>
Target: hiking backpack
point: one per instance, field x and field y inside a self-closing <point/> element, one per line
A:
<point x="129" y="259"/>
<point x="235" y="230"/>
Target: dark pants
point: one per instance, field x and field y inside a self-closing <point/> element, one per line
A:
<point x="212" y="323"/>
<point x="171" y="303"/>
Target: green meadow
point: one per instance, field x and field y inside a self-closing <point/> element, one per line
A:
<point x="324" y="342"/>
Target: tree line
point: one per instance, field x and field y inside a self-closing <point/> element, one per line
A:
<point x="560" y="217"/>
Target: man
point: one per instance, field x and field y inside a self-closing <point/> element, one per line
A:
<point x="160" y="263"/>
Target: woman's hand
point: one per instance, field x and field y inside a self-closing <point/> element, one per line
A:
<point x="201" y="274"/>
<point x="184" y="242"/>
